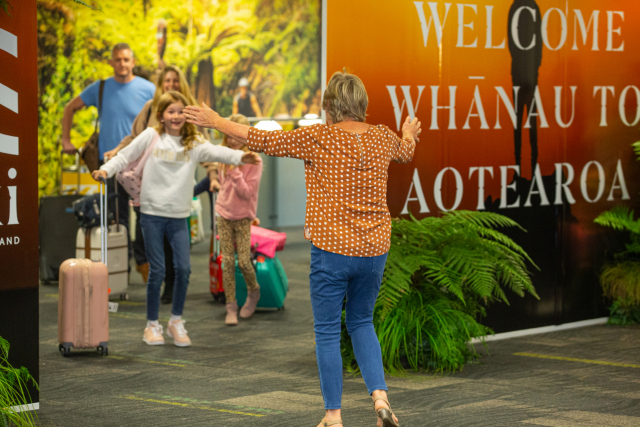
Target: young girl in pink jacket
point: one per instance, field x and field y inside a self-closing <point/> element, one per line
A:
<point x="235" y="209"/>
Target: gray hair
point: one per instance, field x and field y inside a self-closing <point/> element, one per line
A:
<point x="122" y="46"/>
<point x="345" y="97"/>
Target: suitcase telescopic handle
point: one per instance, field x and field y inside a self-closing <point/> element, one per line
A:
<point x="216" y="242"/>
<point x="103" y="220"/>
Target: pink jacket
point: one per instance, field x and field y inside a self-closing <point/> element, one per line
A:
<point x="238" y="196"/>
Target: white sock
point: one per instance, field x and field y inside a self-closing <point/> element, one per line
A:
<point x="151" y="323"/>
<point x="175" y="318"/>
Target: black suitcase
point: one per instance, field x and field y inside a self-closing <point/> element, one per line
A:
<point x="57" y="227"/>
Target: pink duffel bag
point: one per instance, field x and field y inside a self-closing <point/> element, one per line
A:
<point x="131" y="177"/>
<point x="268" y="241"/>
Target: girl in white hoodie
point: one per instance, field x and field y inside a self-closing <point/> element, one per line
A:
<point x="165" y="202"/>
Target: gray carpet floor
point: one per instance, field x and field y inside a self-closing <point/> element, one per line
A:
<point x="263" y="372"/>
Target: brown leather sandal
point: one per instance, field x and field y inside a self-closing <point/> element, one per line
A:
<point x="330" y="423"/>
<point x="385" y="414"/>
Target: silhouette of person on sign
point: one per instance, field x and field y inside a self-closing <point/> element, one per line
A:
<point x="525" y="45"/>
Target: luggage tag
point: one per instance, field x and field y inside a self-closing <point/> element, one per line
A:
<point x="113" y="307"/>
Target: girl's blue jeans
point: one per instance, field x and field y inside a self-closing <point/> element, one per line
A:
<point x="154" y="228"/>
<point x="333" y="277"/>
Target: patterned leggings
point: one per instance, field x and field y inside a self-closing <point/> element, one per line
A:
<point x="238" y="232"/>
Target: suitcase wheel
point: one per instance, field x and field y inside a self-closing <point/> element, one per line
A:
<point x="281" y="308"/>
<point x="104" y="351"/>
<point x="124" y="296"/>
<point x="220" y="297"/>
<point x="64" y="350"/>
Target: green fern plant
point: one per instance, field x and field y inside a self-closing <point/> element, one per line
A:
<point x="621" y="218"/>
<point x="460" y="252"/>
<point x="13" y="391"/>
<point x="440" y="274"/>
<point x="5" y="6"/>
<point x="636" y="149"/>
<point x="428" y="330"/>
<point x="620" y="279"/>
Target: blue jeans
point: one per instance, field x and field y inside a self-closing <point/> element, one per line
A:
<point x="332" y="277"/>
<point x="154" y="229"/>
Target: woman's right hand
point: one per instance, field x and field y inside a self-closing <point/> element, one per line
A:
<point x="97" y="174"/>
<point x="411" y="129"/>
<point x="201" y="116"/>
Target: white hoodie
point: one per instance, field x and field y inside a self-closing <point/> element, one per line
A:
<point x="167" y="180"/>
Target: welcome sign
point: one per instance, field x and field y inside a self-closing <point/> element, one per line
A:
<point x="528" y="109"/>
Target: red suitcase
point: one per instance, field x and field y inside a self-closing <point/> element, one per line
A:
<point x="215" y="260"/>
<point x="215" y="276"/>
<point x="83" y="304"/>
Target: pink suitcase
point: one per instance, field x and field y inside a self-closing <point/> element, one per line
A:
<point x="83" y="304"/>
<point x="267" y="241"/>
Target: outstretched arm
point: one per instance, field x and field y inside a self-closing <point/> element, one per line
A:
<point x="207" y="118"/>
<point x="125" y="156"/>
<point x="208" y="152"/>
<point x="295" y="143"/>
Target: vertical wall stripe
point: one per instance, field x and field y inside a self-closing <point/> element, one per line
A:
<point x="8" y="42"/>
<point x="8" y="144"/>
<point x="8" y="98"/>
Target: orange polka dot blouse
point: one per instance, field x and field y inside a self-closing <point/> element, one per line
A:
<point x="346" y="178"/>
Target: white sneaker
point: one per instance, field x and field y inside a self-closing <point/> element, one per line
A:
<point x="153" y="335"/>
<point x="177" y="331"/>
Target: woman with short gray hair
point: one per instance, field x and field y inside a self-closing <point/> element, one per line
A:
<point x="347" y="221"/>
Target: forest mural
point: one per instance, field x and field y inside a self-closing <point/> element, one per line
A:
<point x="275" y="44"/>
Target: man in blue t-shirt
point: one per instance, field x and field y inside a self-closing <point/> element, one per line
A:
<point x="123" y="97"/>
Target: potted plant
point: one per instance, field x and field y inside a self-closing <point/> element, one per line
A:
<point x="13" y="391"/>
<point x="620" y="279"/>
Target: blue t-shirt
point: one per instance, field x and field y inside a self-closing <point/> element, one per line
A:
<point x="121" y="103"/>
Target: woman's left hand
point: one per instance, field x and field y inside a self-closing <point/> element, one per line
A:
<point x="412" y="129"/>
<point x="250" y="158"/>
<point x="201" y="116"/>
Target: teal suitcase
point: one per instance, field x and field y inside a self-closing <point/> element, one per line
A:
<point x="273" y="282"/>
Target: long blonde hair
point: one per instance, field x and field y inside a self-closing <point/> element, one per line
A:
<point x="184" y="86"/>
<point x="189" y="132"/>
